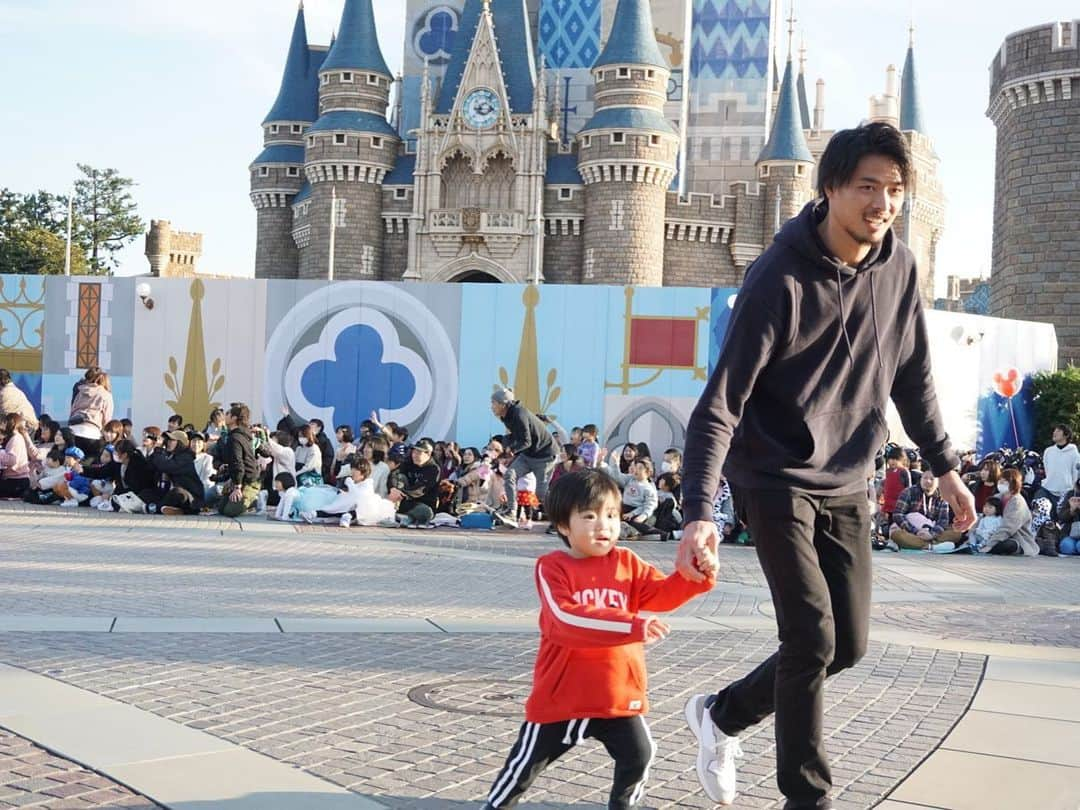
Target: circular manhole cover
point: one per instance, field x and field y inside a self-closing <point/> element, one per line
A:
<point x="491" y="697"/>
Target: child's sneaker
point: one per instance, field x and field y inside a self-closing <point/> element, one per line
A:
<point x="346" y="520"/>
<point x="69" y="503"/>
<point x="504" y="517"/>
<point x="717" y="752"/>
<point x="308" y="517"/>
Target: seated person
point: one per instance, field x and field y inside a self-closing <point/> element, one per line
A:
<point x="922" y="518"/>
<point x="989" y="523"/>
<point x="287" y="492"/>
<point x="640" y="498"/>
<point x="1068" y="515"/>
<point x="357" y="503"/>
<point x="1014" y="535"/>
<point x="185" y="494"/>
<point x="417" y="492"/>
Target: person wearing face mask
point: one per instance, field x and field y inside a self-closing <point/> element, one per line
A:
<point x="922" y="518"/>
<point x="1015" y="535"/>
<point x="308" y="458"/>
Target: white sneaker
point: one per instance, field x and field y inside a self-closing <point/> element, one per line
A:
<point x="70" y="503"/>
<point x="717" y="753"/>
<point x="308" y="517"/>
<point x="346" y="520"/>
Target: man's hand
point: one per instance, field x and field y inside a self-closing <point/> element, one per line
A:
<point x="959" y="497"/>
<point x="395" y="495"/>
<point x="236" y="495"/>
<point x="698" y="545"/>
<point x="656" y="630"/>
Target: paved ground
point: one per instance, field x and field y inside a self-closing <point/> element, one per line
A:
<point x="416" y="717"/>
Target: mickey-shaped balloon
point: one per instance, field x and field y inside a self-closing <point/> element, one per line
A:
<point x="1008" y="383"/>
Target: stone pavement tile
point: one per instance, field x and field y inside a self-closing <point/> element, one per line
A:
<point x="388" y="625"/>
<point x="889" y="804"/>
<point x="955" y="780"/>
<point x="1048" y="673"/>
<point x="126" y="624"/>
<point x="55" y="624"/>
<point x="1007" y="735"/>
<point x="1029" y="700"/>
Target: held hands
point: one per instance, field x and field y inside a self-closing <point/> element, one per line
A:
<point x="395" y="495"/>
<point x="696" y="558"/>
<point x="656" y="630"/>
<point x="959" y="498"/>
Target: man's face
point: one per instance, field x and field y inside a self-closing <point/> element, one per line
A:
<point x="420" y="457"/>
<point x="1058" y="436"/>
<point x="866" y="207"/>
<point x="928" y="483"/>
<point x="316" y="429"/>
<point x="499" y="409"/>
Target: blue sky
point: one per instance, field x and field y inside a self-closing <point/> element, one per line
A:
<point x="172" y="95"/>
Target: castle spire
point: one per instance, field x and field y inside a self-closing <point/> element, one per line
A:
<point x="787" y="141"/>
<point x="911" y="115"/>
<point x="357" y="45"/>
<point x="632" y="39"/>
<point x="294" y="102"/>
<point x="804" y="104"/>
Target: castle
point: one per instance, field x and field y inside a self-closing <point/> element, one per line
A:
<point x="1035" y="105"/>
<point x="483" y="176"/>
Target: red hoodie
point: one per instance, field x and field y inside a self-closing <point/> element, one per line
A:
<point x="591" y="661"/>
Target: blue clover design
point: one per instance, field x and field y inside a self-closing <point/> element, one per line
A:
<point x="436" y="38"/>
<point x="357" y="381"/>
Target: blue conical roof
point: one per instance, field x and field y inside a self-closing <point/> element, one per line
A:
<point x="294" y="102"/>
<point x="804" y="105"/>
<point x="632" y="40"/>
<point x="911" y="115"/>
<point x="357" y="44"/>
<point x="787" y="141"/>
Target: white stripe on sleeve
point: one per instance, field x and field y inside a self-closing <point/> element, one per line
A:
<point x="607" y="625"/>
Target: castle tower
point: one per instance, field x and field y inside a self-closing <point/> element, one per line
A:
<point x="277" y="173"/>
<point x="923" y="219"/>
<point x="1035" y="104"/>
<point x="785" y="165"/>
<point x="349" y="151"/>
<point x="627" y="155"/>
<point x="172" y="254"/>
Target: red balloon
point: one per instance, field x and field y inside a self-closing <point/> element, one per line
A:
<point x="1008" y="383"/>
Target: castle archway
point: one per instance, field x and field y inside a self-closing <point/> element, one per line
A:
<point x="475" y="277"/>
<point x="471" y="268"/>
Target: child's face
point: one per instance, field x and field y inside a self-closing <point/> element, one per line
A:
<point x="594" y="532"/>
<point x="278" y="487"/>
<point x="198" y="446"/>
<point x="59" y="441"/>
<point x="70" y="461"/>
<point x="357" y="475"/>
<point x="640" y="472"/>
<point x="106" y="457"/>
<point x="989" y="510"/>
<point x="52" y="463"/>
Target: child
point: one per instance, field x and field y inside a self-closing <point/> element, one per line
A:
<point x="204" y="462"/>
<point x="52" y="475"/>
<point x="589" y="449"/>
<point x="668" y="516"/>
<point x="358" y="502"/>
<point x="75" y="488"/>
<point x="526" y="500"/>
<point x="285" y="487"/>
<point x="589" y="679"/>
<point x="989" y="523"/>
<point x="640" y="498"/>
<point x="897" y="479"/>
<point x="101" y="489"/>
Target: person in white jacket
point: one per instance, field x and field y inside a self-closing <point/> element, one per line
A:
<point x="1061" y="461"/>
<point x="357" y="503"/>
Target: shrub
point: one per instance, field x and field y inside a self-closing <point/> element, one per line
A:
<point x="1057" y="402"/>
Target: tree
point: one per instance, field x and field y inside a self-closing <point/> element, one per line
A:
<point x="37" y="251"/>
<point x="105" y="216"/>
<point x="33" y="234"/>
<point x="1057" y="402"/>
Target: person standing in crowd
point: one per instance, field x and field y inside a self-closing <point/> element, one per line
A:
<point x="827" y="326"/>
<point x="13" y="400"/>
<point x="1014" y="535"/>
<point x="91" y="408"/>
<point x="1061" y="461"/>
<point x="533" y="448"/>
<point x="242" y="487"/>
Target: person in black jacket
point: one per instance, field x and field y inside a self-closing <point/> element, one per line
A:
<point x="185" y="496"/>
<point x="419" y="491"/>
<point x="827" y="326"/>
<point x="129" y="471"/>
<point x="241" y="488"/>
<point x="530" y="442"/>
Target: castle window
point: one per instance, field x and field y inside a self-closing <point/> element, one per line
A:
<point x="376" y="142"/>
<point x="650" y="73"/>
<point x="372" y="79"/>
<point x="294" y="171"/>
<point x="764" y="171"/>
<point x="624" y="73"/>
<point x="600" y="76"/>
<point x="273" y="129"/>
<point x="311" y="140"/>
<point x="800" y="170"/>
<point x="587" y="141"/>
<point x="346" y="77"/>
<point x="618" y="137"/>
<point x="654" y="140"/>
<point x="264" y="171"/>
<point x="325" y="79"/>
<point x="339" y="139"/>
<point x="566" y="193"/>
<point x="297" y="129"/>
<point x="401" y="193"/>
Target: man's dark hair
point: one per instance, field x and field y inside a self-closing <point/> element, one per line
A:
<point x="177" y="418"/>
<point x="286" y="479"/>
<point x="578" y="492"/>
<point x="126" y="422"/>
<point x="125" y="447"/>
<point x="402" y="434"/>
<point x="1065" y="431"/>
<point x="319" y="422"/>
<point x="848" y="146"/>
<point x="5" y="377"/>
<point x="241" y="413"/>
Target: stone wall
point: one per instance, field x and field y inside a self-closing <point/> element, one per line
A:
<point x="624" y="234"/>
<point x="358" y="238"/>
<point x="1035" y="103"/>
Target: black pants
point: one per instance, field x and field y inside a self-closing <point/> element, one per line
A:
<point x="817" y="560"/>
<point x="14" y="487"/>
<point x="1009" y="546"/>
<point x="538" y="745"/>
<point x="180" y="498"/>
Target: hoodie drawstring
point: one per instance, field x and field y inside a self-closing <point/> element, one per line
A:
<point x="843" y="318"/>
<point x="877" y="333"/>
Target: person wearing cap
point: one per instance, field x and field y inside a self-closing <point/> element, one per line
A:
<point x="530" y="442"/>
<point x="241" y="487"/>
<point x="185" y="495"/>
<point x="418" y="490"/>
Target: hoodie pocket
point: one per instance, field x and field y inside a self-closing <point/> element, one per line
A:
<point x="845" y="440"/>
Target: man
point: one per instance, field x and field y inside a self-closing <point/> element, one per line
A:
<point x="921" y="517"/>
<point x="1061" y="462"/>
<point x="418" y="495"/>
<point x="828" y="325"/>
<point x="531" y="444"/>
<point x="241" y="483"/>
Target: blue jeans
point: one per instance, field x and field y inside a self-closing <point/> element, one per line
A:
<point x="1069" y="546"/>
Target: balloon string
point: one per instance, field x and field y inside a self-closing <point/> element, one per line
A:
<point x="1012" y="415"/>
